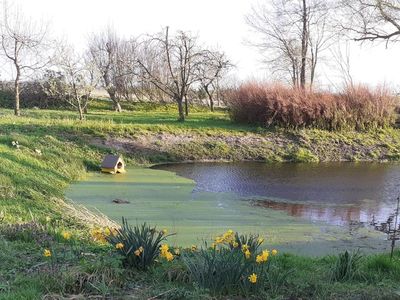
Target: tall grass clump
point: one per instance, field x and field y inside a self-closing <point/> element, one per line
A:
<point x="347" y="266"/>
<point x="356" y="108"/>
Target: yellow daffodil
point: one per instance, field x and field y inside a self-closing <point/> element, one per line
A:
<point x="164" y="231"/>
<point x="247" y="254"/>
<point x="219" y="240"/>
<point x="228" y="237"/>
<point x="235" y="244"/>
<point x="194" y="247"/>
<point x="46" y="253"/>
<point x="253" y="278"/>
<point x="66" y="235"/>
<point x="107" y="231"/>
<point x="259" y="259"/>
<point x="263" y="257"/>
<point x="141" y="249"/>
<point x="164" y="248"/>
<point x="177" y="251"/>
<point x="137" y="252"/>
<point x="97" y="235"/>
<point x="274" y="252"/>
<point x="119" y="246"/>
<point x="245" y="248"/>
<point x="213" y="245"/>
<point x="169" y="256"/>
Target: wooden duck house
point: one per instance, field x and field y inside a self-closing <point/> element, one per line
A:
<point x="113" y="164"/>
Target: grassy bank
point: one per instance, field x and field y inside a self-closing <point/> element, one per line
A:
<point x="152" y="135"/>
<point x="54" y="149"/>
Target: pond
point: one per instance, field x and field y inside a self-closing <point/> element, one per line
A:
<point x="338" y="193"/>
<point x="304" y="208"/>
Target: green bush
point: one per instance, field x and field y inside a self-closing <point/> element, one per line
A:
<point x="139" y="245"/>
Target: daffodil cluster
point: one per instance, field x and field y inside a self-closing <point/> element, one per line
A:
<point x="227" y="238"/>
<point x="164" y="252"/>
<point x="100" y="234"/>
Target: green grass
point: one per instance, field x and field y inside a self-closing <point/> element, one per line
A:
<point x="33" y="186"/>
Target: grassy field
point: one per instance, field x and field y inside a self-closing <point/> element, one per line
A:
<point x="54" y="149"/>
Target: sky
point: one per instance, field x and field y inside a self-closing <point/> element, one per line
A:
<point x="219" y="23"/>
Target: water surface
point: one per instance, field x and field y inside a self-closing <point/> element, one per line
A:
<point x="337" y="193"/>
<point x="305" y="208"/>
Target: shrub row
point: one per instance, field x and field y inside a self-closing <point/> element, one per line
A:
<point x="358" y="108"/>
<point x="32" y="95"/>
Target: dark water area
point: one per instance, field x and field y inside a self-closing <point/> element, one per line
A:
<point x="338" y="193"/>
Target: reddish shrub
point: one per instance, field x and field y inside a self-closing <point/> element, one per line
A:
<point x="276" y="105"/>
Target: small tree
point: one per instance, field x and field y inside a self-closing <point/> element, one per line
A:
<point x="112" y="57"/>
<point x="22" y="43"/>
<point x="174" y="74"/>
<point x="76" y="79"/>
<point x="213" y="65"/>
<point x="293" y="34"/>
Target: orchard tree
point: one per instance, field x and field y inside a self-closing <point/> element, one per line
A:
<point x="104" y="48"/>
<point x="292" y="35"/>
<point x="173" y="63"/>
<point x="76" y="79"/>
<point x="211" y="69"/>
<point x="23" y="45"/>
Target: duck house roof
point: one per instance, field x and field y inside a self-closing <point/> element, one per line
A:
<point x="110" y="161"/>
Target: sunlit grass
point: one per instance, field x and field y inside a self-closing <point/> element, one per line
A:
<point x="54" y="150"/>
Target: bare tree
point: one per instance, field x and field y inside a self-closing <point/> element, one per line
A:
<point x="293" y="34"/>
<point x="127" y="69"/>
<point x="22" y="44"/>
<point x="342" y="63"/>
<point x="77" y="78"/>
<point x="209" y="71"/>
<point x="174" y="61"/>
<point x="104" y="48"/>
<point x="148" y="56"/>
<point x="373" y="20"/>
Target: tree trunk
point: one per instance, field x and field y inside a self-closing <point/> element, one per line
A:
<point x="314" y="60"/>
<point x="116" y="104"/>
<point x="17" y="111"/>
<point x="81" y="112"/>
<point x="294" y="79"/>
<point x="186" y="106"/>
<point x="210" y="98"/>
<point x="181" y="111"/>
<point x="304" y="47"/>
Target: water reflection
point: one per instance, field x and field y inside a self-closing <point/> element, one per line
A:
<point x="334" y="192"/>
